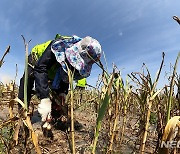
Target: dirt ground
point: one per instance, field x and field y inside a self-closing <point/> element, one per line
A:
<point x="86" y="116"/>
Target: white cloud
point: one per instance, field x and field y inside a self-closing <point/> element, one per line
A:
<point x="5" y="78"/>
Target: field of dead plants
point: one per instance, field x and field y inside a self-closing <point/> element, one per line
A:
<point x="117" y="116"/>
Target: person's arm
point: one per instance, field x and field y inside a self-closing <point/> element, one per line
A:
<point x="41" y="82"/>
<point x="41" y="72"/>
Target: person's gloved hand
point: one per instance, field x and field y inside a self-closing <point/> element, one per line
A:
<point x="44" y="108"/>
<point x="46" y="125"/>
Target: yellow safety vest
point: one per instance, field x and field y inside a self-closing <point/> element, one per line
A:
<point x="81" y="83"/>
<point x="38" y="50"/>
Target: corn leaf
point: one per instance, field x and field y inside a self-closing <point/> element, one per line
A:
<point x="156" y="93"/>
<point x="170" y="128"/>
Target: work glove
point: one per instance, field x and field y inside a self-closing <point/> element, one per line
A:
<point x="44" y="108"/>
<point x="46" y="125"/>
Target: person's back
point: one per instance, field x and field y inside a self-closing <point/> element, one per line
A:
<point x="38" y="50"/>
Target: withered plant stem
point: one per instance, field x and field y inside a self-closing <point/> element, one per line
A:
<point x="149" y="104"/>
<point x="171" y="89"/>
<point x="5" y="53"/>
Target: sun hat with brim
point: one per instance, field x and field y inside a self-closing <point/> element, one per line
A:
<point x="58" y="47"/>
<point x="83" y="54"/>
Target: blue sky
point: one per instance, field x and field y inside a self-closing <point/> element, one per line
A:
<point x="130" y="32"/>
